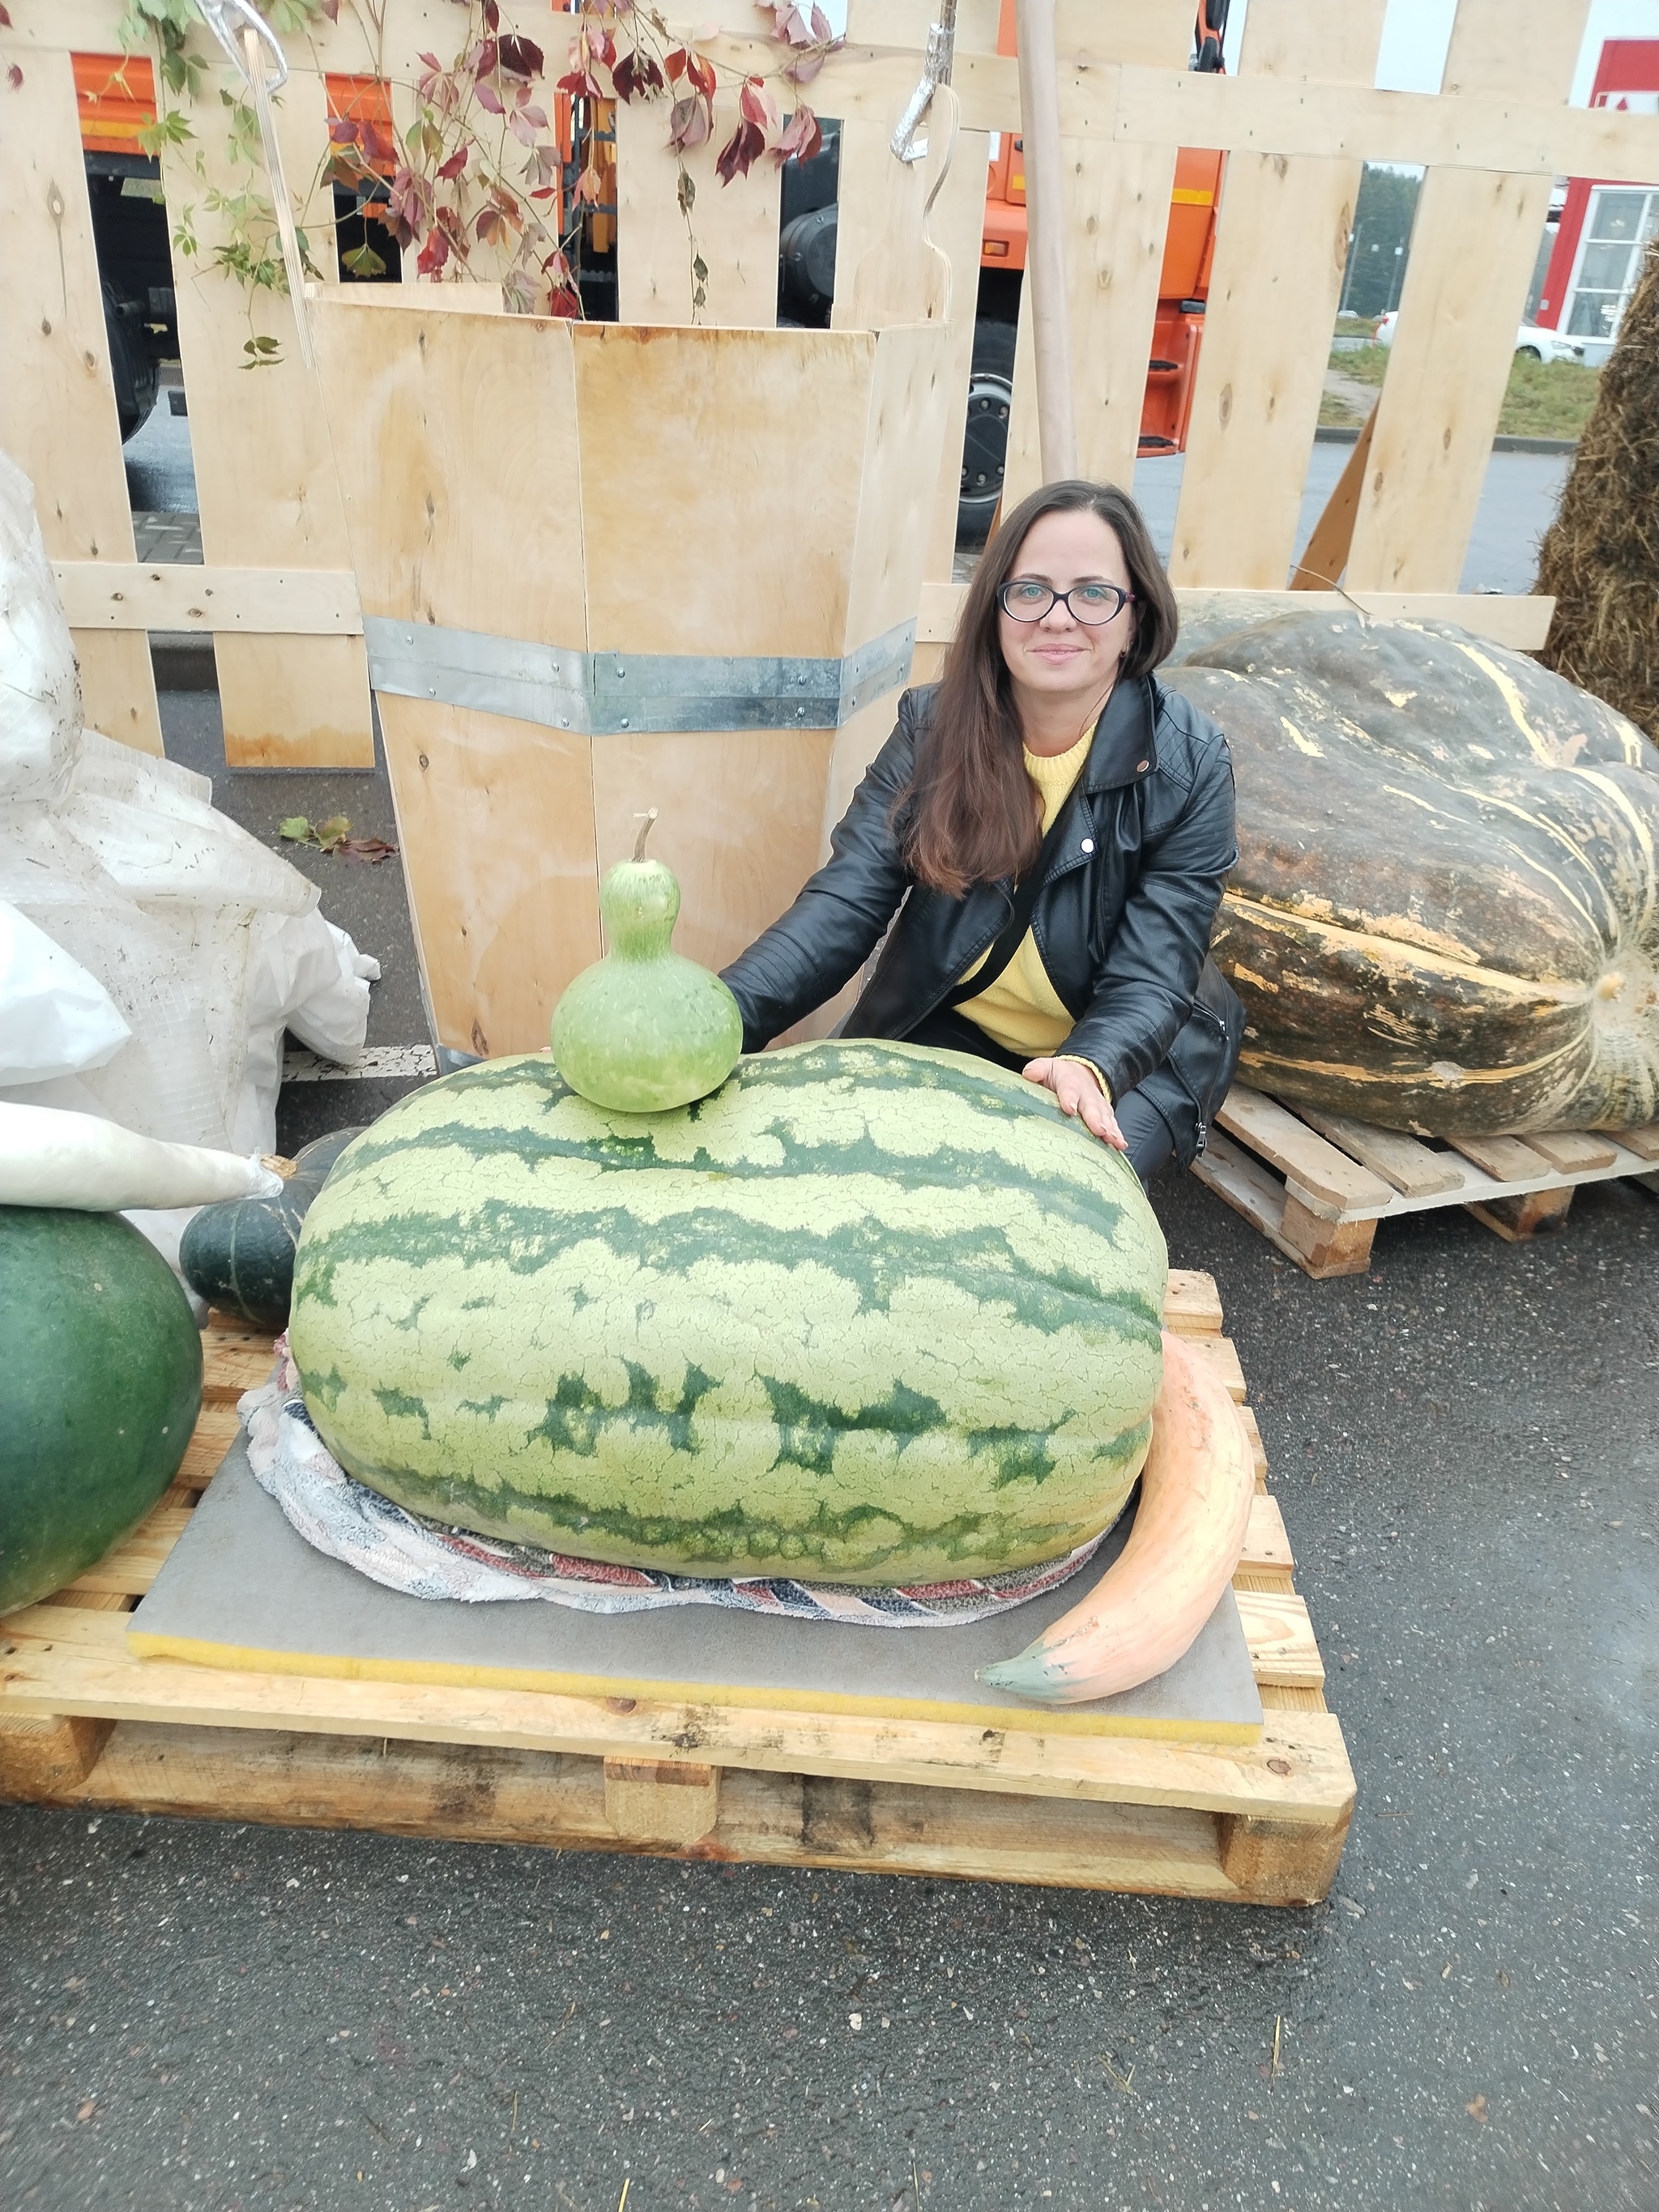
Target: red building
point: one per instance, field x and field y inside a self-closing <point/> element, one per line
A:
<point x="1603" y="229"/>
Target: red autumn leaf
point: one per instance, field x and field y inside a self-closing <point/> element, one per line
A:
<point x="557" y="268"/>
<point x="689" y="124"/>
<point x="366" y="851"/>
<point x="586" y="191"/>
<point x="737" y="156"/>
<point x="488" y="226"/>
<point x="756" y="104"/>
<point x="565" y="305"/>
<point x="533" y="114"/>
<point x="580" y="85"/>
<point x="522" y="131"/>
<point x="483" y="57"/>
<point x="457" y="162"/>
<point x="521" y="57"/>
<point x="331" y="8"/>
<point x="14" y="77"/>
<point x="377" y="145"/>
<point x="674" y="61"/>
<point x="5" y="19"/>
<point x="821" y="30"/>
<point x="434" y="254"/>
<point x="489" y="97"/>
<point x="637" y="77"/>
<point x="492" y="15"/>
<point x="343" y="130"/>
<point x="802" y="135"/>
<point x="701" y="74"/>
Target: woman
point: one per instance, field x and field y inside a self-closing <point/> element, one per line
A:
<point x="1051" y="828"/>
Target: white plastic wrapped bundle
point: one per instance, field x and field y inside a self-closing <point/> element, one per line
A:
<point x="202" y="942"/>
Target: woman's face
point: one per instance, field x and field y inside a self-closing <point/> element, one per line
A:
<point x="1059" y="656"/>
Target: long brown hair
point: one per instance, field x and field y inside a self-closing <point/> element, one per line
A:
<point x="971" y="812"/>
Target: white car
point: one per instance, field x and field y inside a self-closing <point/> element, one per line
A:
<point x="1540" y="344"/>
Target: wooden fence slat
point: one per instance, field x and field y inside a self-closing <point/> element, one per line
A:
<point x="734" y="226"/>
<point x="1281" y="247"/>
<point x="1449" y="364"/>
<point x="58" y="418"/>
<point x="265" y="473"/>
<point x="183" y="595"/>
<point x="1117" y="211"/>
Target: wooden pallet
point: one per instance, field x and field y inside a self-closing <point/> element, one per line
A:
<point x="83" y="1722"/>
<point x="1316" y="1185"/>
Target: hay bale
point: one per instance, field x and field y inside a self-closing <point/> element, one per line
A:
<point x="1600" y="557"/>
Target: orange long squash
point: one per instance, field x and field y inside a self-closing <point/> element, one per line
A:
<point x="1146" y="1610"/>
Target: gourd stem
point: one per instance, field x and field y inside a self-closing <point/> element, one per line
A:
<point x="645" y="822"/>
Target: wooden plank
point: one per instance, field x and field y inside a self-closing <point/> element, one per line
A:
<point x="1300" y="1154"/>
<point x="1321" y="1247"/>
<point x="1192" y="1303"/>
<point x="530" y="1798"/>
<point x="1516" y="620"/>
<point x="1506" y="1159"/>
<point x="42" y="1754"/>
<point x="132" y="1566"/>
<point x="1258" y="1449"/>
<point x="182" y="595"/>
<point x="1281" y="247"/>
<point x="1280" y="1637"/>
<point x="1448" y="366"/>
<point x="1573" y="1149"/>
<point x="1266" y="1543"/>
<point x="1220" y="1355"/>
<point x="214" y="1434"/>
<point x="735" y="228"/>
<point x="1239" y="1179"/>
<point x="1644" y="1142"/>
<point x="957" y="226"/>
<point x="264" y="469"/>
<point x="233" y="1372"/>
<point x="1411" y="1167"/>
<point x="1518" y="1219"/>
<point x="660" y="1801"/>
<point x="58" y="418"/>
<point x="69" y="1660"/>
<point x="1325" y="556"/>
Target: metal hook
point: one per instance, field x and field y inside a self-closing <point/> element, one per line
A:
<point x="935" y="72"/>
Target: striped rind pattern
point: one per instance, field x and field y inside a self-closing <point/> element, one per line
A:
<point x="869" y="1314"/>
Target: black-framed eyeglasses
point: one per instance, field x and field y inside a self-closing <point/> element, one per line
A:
<point x="1091" y="605"/>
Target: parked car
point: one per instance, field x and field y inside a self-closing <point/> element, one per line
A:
<point x="1537" y="343"/>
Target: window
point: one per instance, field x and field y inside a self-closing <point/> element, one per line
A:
<point x="1617" y="228"/>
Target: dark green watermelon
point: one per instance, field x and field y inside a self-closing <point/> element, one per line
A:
<point x="239" y="1254"/>
<point x="99" y="1388"/>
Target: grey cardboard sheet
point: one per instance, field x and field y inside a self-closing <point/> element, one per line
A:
<point x="241" y="1588"/>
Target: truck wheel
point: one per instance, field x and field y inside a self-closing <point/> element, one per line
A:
<point x="985" y="437"/>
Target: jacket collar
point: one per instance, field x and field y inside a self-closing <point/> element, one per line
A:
<point x="1125" y="749"/>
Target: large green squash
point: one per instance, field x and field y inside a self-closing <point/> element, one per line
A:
<point x="99" y="1387"/>
<point x="1445" y="913"/>
<point x="238" y="1254"/>
<point x="869" y="1314"/>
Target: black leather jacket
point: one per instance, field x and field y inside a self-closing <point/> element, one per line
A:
<point x="1122" y="917"/>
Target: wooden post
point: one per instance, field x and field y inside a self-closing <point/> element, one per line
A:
<point x="1045" y="253"/>
<point x="660" y="1801"/>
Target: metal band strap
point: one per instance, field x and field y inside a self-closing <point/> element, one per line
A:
<point x="604" y="694"/>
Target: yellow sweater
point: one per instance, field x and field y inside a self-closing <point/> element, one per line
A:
<point x="1022" y="1011"/>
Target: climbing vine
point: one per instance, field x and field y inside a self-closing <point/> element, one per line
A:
<point x="479" y="166"/>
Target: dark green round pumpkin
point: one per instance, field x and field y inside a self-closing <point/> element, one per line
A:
<point x="1445" y="912"/>
<point x="238" y="1254"/>
<point x="99" y="1388"/>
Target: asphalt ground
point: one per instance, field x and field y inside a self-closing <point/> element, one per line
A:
<point x="1465" y="1446"/>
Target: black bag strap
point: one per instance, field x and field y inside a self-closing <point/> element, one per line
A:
<point x="1013" y="935"/>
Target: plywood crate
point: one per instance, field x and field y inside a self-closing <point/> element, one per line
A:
<point x="83" y="1722"/>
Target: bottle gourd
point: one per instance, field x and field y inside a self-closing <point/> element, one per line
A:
<point x="644" y="1029"/>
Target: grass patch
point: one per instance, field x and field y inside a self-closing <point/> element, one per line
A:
<point x="1337" y="411"/>
<point x="1548" y="398"/>
<point x="1545" y="398"/>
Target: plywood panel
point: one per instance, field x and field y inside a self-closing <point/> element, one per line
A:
<point x="738" y="812"/>
<point x="115" y="595"/>
<point x="495" y="821"/>
<point x="903" y="444"/>
<point x="734" y="226"/>
<point x="1281" y="247"/>
<point x="57" y="419"/>
<point x="456" y="437"/>
<point x="957" y="226"/>
<point x="1459" y="311"/>
<point x="729" y="527"/>
<point x="264" y="473"/>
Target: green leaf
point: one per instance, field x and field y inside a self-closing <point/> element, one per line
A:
<point x="333" y="832"/>
<point x="363" y="261"/>
<point x="297" y="829"/>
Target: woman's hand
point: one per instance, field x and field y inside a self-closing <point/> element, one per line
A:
<point x="1077" y="1091"/>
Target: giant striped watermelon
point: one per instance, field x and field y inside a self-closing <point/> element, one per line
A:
<point x="869" y="1314"/>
